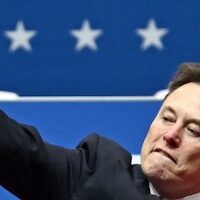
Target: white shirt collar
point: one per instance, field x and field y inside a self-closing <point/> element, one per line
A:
<point x="190" y="197"/>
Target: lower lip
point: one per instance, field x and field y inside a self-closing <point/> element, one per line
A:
<point x="163" y="154"/>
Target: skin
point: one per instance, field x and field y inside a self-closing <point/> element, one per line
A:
<point x="170" y="155"/>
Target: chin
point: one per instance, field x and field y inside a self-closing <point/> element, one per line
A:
<point x="155" y="172"/>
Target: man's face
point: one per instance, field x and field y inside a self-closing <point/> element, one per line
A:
<point x="171" y="150"/>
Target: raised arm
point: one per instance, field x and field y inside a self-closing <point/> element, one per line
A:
<point x="32" y="169"/>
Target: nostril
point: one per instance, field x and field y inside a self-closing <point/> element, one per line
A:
<point x="173" y="142"/>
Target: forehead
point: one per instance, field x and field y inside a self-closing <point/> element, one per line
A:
<point x="186" y="98"/>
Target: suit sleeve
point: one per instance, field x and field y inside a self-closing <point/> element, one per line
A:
<point x="32" y="169"/>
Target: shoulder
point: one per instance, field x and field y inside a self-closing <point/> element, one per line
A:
<point x="101" y="148"/>
<point x="96" y="141"/>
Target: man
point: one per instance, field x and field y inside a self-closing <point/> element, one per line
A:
<point x="171" y="150"/>
<point x="100" y="169"/>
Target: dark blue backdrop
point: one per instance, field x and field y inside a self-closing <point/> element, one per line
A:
<point x="118" y="66"/>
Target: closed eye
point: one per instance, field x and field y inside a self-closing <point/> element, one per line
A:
<point x="193" y="132"/>
<point x="168" y="119"/>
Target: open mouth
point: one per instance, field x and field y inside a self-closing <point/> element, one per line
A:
<point x="165" y="154"/>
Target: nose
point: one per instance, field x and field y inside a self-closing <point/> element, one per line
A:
<point x="173" y="136"/>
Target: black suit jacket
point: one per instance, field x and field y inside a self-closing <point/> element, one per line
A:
<point x="98" y="169"/>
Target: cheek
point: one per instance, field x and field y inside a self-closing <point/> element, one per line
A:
<point x="191" y="155"/>
<point x="189" y="162"/>
<point x="154" y="132"/>
<point x="147" y="144"/>
<point x="157" y="130"/>
<point x="152" y="137"/>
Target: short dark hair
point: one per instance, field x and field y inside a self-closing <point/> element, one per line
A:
<point x="186" y="73"/>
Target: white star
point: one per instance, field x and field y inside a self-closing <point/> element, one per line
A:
<point x="152" y="35"/>
<point x="20" y="37"/>
<point x="86" y="36"/>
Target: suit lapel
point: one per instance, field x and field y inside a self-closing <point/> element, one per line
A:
<point x="142" y="183"/>
<point x="140" y="180"/>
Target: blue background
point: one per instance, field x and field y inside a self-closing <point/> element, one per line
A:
<point x="118" y="67"/>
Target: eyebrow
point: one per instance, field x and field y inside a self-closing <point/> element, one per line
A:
<point x="194" y="121"/>
<point x="169" y="108"/>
